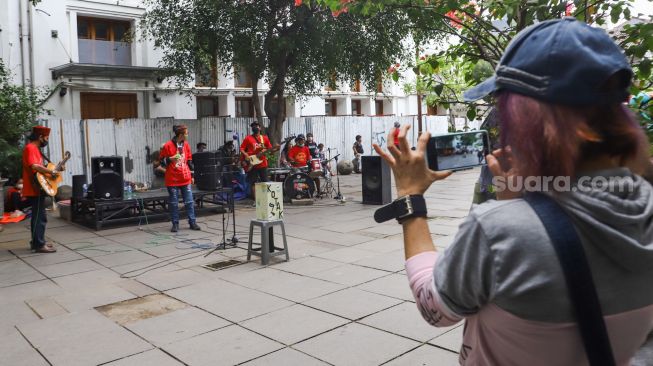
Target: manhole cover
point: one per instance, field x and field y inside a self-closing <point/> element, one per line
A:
<point x="222" y="265"/>
<point x="130" y="311"/>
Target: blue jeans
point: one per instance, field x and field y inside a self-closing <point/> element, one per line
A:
<point x="173" y="203"/>
<point x="38" y="222"/>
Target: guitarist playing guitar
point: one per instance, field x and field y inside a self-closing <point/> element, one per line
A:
<point x="252" y="152"/>
<point x="32" y="164"/>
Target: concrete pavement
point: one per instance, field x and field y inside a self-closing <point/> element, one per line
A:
<point x="130" y="296"/>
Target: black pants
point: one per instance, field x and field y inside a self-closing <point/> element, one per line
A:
<point x="17" y="203"/>
<point x="39" y="220"/>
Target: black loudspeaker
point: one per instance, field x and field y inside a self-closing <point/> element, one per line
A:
<point x="208" y="170"/>
<point x="376" y="181"/>
<point x="108" y="185"/>
<point x="105" y="164"/>
<point x="107" y="173"/>
<point x="78" y="186"/>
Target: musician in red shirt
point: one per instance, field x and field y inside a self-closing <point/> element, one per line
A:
<point x="299" y="155"/>
<point x="395" y="134"/>
<point x="32" y="164"/>
<point x="177" y="159"/>
<point x="253" y="147"/>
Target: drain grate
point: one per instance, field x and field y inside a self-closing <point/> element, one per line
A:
<point x="222" y="265"/>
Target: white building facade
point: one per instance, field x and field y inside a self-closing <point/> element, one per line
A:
<point x="80" y="51"/>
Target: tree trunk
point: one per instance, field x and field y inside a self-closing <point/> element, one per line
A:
<point x="275" y="108"/>
<point x="256" y="102"/>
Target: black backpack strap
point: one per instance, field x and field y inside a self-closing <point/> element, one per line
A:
<point x="578" y="276"/>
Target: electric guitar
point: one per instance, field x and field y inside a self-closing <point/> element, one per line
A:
<point x="49" y="183"/>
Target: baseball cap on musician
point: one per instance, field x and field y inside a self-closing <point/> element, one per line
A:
<point x="561" y="61"/>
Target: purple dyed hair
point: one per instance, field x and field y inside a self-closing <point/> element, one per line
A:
<point x="552" y="139"/>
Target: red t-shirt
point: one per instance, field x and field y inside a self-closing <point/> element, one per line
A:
<point x="177" y="174"/>
<point x="299" y="156"/>
<point x="31" y="155"/>
<point x="396" y="133"/>
<point x="252" y="146"/>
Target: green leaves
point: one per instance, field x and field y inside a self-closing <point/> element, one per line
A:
<point x="19" y="107"/>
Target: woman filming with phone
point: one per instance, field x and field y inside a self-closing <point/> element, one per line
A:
<point x="552" y="275"/>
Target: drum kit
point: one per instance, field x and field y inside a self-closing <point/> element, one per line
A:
<point x="299" y="183"/>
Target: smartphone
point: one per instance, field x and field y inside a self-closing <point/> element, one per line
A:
<point x="457" y="151"/>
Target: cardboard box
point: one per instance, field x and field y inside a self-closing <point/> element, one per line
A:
<point x="269" y="201"/>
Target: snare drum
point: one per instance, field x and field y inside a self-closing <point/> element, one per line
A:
<point x="278" y="174"/>
<point x="316" y="168"/>
<point x="298" y="186"/>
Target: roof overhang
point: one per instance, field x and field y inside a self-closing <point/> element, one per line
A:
<point x="110" y="71"/>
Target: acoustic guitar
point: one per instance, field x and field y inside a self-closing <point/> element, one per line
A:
<point x="48" y="183"/>
<point x="255" y="159"/>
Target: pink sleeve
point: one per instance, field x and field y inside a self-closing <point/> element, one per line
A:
<point x="419" y="269"/>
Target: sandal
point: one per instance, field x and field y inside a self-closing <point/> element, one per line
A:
<point x="46" y="249"/>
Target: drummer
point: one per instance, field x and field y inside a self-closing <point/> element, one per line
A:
<point x="299" y="156"/>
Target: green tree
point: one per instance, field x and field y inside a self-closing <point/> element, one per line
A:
<point x="19" y="107"/>
<point x="475" y="33"/>
<point x="295" y="47"/>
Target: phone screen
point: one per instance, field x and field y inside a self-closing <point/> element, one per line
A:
<point x="457" y="150"/>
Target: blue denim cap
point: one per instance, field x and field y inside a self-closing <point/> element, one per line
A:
<point x="561" y="61"/>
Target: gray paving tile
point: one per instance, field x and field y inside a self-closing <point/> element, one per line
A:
<point x="63" y="269"/>
<point x="227" y="300"/>
<point x="293" y="324"/>
<point x="177" y="325"/>
<point x="169" y="280"/>
<point x="86" y="243"/>
<point x="16" y="271"/>
<point x="85" y="338"/>
<point x="356" y="344"/>
<point x="136" y="287"/>
<point x="88" y="279"/>
<point x="286" y="357"/>
<point x="394" y="285"/>
<point x="46" y="307"/>
<point x="451" y="340"/>
<point x="14" y="313"/>
<point x="82" y="299"/>
<point x="385" y="245"/>
<point x="259" y="278"/>
<point x="61" y="256"/>
<point x="28" y="291"/>
<point x="346" y="255"/>
<point x="405" y="320"/>
<point x="300" y="288"/>
<point x="6" y="255"/>
<point x="153" y="357"/>
<point x="426" y="355"/>
<point x="349" y="274"/>
<point x="122" y="258"/>
<point x="307" y="265"/>
<point x="352" y="303"/>
<point x="16" y="351"/>
<point x="69" y="233"/>
<point x="391" y="262"/>
<point x="305" y="249"/>
<point x="227" y="346"/>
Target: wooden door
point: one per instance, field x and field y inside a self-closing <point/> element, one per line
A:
<point x="109" y="105"/>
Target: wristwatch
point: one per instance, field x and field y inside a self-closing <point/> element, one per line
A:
<point x="402" y="209"/>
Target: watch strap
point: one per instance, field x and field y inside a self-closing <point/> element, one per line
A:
<point x="401" y="209"/>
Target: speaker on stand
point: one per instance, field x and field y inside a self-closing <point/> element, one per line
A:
<point x="107" y="173"/>
<point x="376" y="177"/>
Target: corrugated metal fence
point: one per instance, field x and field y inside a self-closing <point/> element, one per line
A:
<point x="137" y="140"/>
